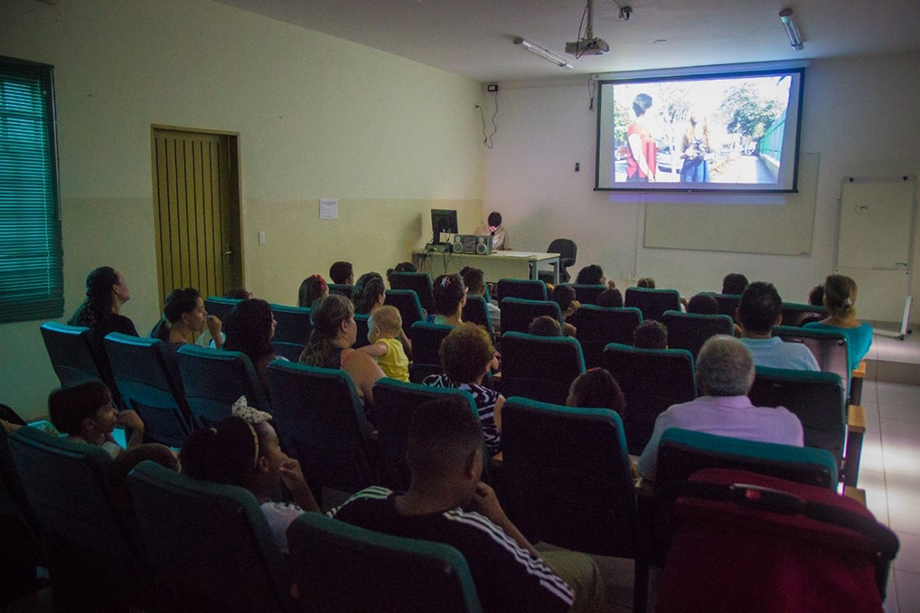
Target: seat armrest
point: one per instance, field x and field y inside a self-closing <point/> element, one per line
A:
<point x="856" y="431"/>
<point x="855" y="493"/>
<point x="856" y="419"/>
<point x="496" y="460"/>
<point x="860" y="371"/>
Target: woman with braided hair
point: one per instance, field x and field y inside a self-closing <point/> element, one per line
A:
<point x="106" y="293"/>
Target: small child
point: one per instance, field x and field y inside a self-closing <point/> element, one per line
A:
<point x="384" y="328"/>
<point x="85" y="413"/>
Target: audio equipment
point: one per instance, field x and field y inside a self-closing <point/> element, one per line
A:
<point x="472" y="244"/>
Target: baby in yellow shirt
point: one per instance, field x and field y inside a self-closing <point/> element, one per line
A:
<point x="384" y="326"/>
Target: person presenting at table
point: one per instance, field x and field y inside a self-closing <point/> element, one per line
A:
<point x="495" y="229"/>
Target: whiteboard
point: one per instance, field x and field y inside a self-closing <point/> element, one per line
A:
<point x="876" y="223"/>
<point x="783" y="229"/>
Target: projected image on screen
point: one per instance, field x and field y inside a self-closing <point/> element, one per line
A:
<point x="727" y="132"/>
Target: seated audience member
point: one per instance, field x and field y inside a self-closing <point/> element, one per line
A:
<point x="447" y="503"/>
<point x="597" y="389"/>
<point x="205" y="339"/>
<point x="646" y="283"/>
<point x="564" y="296"/>
<point x="250" y="329"/>
<point x="593" y="275"/>
<point x="734" y="284"/>
<point x="544" y="325"/>
<point x="724" y="374"/>
<point x="369" y="293"/>
<point x="703" y="304"/>
<point x="475" y="282"/>
<point x="466" y="354"/>
<point x="312" y="289"/>
<point x="840" y="300"/>
<point x="758" y="311"/>
<point x="238" y="293"/>
<point x="493" y="227"/>
<point x="243" y="450"/>
<point x="106" y="293"/>
<point x="816" y="296"/>
<point x="85" y="413"/>
<point x="183" y="314"/>
<point x="342" y="273"/>
<point x="384" y="329"/>
<point x="610" y="298"/>
<point x="334" y="333"/>
<point x="401" y="267"/>
<point x="449" y="300"/>
<point x="651" y="334"/>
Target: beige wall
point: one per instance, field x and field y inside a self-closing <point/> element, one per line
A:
<point x="318" y="117"/>
<point x="860" y="117"/>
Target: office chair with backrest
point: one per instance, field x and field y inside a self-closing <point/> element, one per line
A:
<point x="689" y="331"/>
<point x="408" y="304"/>
<point x="568" y="478"/>
<point x="540" y="367"/>
<point x="568" y="251"/>
<point x="419" y="282"/>
<point x="527" y="289"/>
<point x="209" y="545"/>
<point x="215" y="379"/>
<point x="475" y="311"/>
<point x="395" y="403"/>
<point x="321" y="422"/>
<point x="293" y="324"/>
<point x="147" y="376"/>
<point x="344" y="568"/>
<point x="426" y="343"/>
<point x="221" y="307"/>
<point x="817" y="399"/>
<point x="596" y="327"/>
<point x="93" y="560"/>
<point x="652" y="302"/>
<point x="518" y="313"/>
<point x="652" y="380"/>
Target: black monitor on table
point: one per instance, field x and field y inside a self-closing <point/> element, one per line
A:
<point x="443" y="221"/>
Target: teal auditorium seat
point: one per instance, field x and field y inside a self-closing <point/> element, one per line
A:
<point x="418" y="282"/>
<point x="215" y="379"/>
<point x="652" y="380"/>
<point x="587" y="294"/>
<point x="342" y="289"/>
<point x="426" y="342"/>
<point x="221" y="307"/>
<point x="321" y="423"/>
<point x="683" y="452"/>
<point x="75" y="358"/>
<point x="340" y="568"/>
<point x="795" y="314"/>
<point x="596" y="327"/>
<point x="518" y="313"/>
<point x="689" y="331"/>
<point x="568" y="479"/>
<point x="817" y="400"/>
<point x="395" y="403"/>
<point x="94" y="561"/>
<point x="652" y="302"/>
<point x="728" y="303"/>
<point x="475" y="311"/>
<point x="527" y="289"/>
<point x="831" y="350"/>
<point x="361" y="320"/>
<point x="408" y="304"/>
<point x="148" y="378"/>
<point x="208" y="545"/>
<point x="288" y="351"/>
<point x="293" y="324"/>
<point x="540" y="367"/>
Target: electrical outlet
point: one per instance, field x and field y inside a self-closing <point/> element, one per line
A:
<point x="492" y="87"/>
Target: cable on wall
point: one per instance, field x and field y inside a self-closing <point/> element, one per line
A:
<point x="487" y="138"/>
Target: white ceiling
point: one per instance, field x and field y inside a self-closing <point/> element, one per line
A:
<point x="474" y="37"/>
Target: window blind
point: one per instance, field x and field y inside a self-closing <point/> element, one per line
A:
<point x="31" y="254"/>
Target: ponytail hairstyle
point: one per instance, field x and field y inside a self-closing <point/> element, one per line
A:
<point x="840" y="296"/>
<point x="448" y="294"/>
<point x="326" y="317"/>
<point x="98" y="303"/>
<point x="178" y="302"/>
<point x="226" y="454"/>
<point x="312" y="288"/>
<point x="248" y="329"/>
<point x="367" y="292"/>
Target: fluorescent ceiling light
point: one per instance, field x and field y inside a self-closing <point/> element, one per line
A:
<point x="544" y="53"/>
<point x="792" y="32"/>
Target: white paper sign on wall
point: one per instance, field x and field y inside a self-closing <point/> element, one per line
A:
<point x="328" y="208"/>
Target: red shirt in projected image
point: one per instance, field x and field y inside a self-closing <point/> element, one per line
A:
<point x="648" y="149"/>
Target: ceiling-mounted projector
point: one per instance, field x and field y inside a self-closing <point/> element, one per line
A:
<point x="587" y="46"/>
